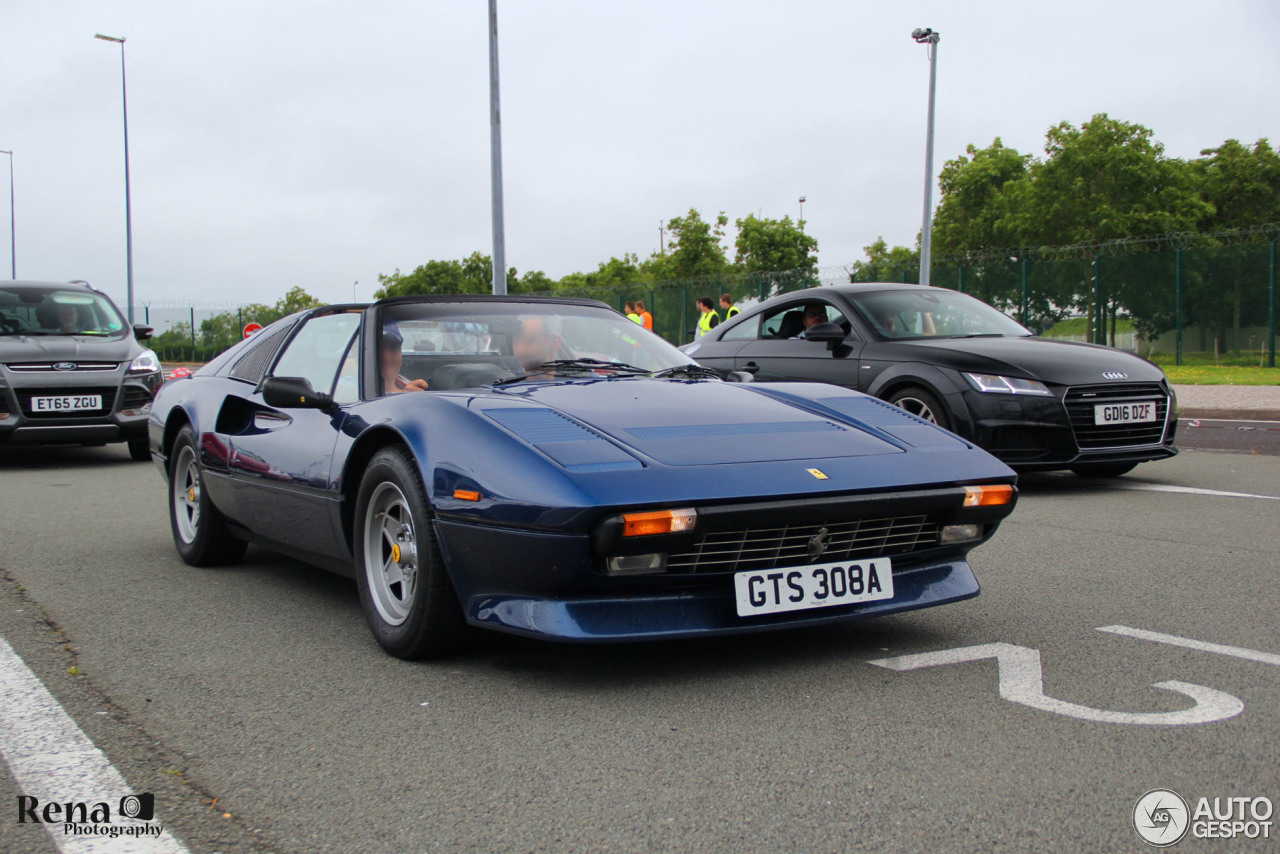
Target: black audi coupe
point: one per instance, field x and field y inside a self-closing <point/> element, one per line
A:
<point x="1035" y="403"/>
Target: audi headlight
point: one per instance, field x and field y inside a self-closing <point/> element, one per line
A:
<point x="147" y="362"/>
<point x="1007" y="385"/>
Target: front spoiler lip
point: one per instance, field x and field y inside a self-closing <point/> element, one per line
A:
<point x="685" y="615"/>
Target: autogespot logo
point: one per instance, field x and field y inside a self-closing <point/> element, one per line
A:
<point x="1161" y="817"/>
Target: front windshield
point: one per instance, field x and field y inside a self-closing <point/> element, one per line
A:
<point x="30" y="310"/>
<point x="439" y="346"/>
<point x="929" y="313"/>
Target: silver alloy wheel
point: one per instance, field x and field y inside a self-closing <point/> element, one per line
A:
<point x="390" y="553"/>
<point x="918" y="408"/>
<point x="186" y="494"/>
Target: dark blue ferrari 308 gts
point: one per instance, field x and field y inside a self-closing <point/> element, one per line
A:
<point x="548" y="467"/>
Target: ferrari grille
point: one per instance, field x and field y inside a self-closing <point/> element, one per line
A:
<point x="1080" y="402"/>
<point x="797" y="545"/>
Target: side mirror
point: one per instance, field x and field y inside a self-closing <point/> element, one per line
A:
<point x="739" y="377"/>
<point x="142" y="332"/>
<point x="827" y="333"/>
<point x="293" y="393"/>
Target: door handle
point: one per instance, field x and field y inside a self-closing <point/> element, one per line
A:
<point x="751" y="367"/>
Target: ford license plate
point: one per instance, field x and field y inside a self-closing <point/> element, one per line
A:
<point x="66" y="403"/>
<point x="1124" y="413"/>
<point x="798" y="588"/>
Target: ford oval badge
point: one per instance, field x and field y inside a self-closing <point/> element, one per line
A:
<point x="65" y="366"/>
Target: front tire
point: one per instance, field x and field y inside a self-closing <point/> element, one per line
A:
<point x="1102" y="469"/>
<point x="140" y="450"/>
<point x="922" y="404"/>
<point x="199" y="530"/>
<point x="405" y="589"/>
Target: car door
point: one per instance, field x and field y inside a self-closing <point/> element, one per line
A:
<point x="778" y="353"/>
<point x="280" y="460"/>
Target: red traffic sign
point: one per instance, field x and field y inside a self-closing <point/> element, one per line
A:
<point x="250" y="329"/>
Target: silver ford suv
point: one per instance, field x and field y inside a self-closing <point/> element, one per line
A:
<point x="71" y="370"/>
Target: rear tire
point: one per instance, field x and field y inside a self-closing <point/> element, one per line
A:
<point x="199" y="530"/>
<point x="140" y="450"/>
<point x="922" y="404"/>
<point x="405" y="589"/>
<point x="1102" y="469"/>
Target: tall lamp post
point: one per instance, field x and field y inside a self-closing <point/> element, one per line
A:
<point x="495" y="158"/>
<point x="802" y="200"/>
<point x="929" y="38"/>
<point x="13" y="242"/>
<point x="128" y="208"/>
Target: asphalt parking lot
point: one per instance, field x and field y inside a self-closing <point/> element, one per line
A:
<point x="255" y="705"/>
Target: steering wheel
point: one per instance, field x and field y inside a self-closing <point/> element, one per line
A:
<point x="10" y="324"/>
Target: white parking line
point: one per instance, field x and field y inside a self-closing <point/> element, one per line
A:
<point x="1189" y="490"/>
<point x="1203" y="646"/>
<point x="53" y="760"/>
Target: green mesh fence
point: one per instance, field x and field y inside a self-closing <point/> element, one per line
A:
<point x="1176" y="294"/>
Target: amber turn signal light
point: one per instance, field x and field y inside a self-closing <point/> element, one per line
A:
<point x="466" y="495"/>
<point x="658" y="522"/>
<point x="988" y="496"/>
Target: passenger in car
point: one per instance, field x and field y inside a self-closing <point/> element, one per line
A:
<point x="390" y="359"/>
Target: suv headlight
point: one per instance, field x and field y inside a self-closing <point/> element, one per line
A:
<point x="1007" y="385"/>
<point x="147" y="362"/>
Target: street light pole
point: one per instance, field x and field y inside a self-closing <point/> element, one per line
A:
<point x="802" y="198"/>
<point x="495" y="156"/>
<point x="128" y="206"/>
<point x="13" y="241"/>
<point x="930" y="38"/>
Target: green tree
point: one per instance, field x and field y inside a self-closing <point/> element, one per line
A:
<point x="696" y="248"/>
<point x="971" y="213"/>
<point x="770" y="245"/>
<point x="1104" y="180"/>
<point x="883" y="264"/>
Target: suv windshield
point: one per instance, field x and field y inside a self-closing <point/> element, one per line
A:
<point x="33" y="310"/>
<point x="928" y="313"/>
<point x="436" y="341"/>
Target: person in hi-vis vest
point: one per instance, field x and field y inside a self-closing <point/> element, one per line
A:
<point x="709" y="320"/>
<point x="646" y="319"/>
<point x="726" y="302"/>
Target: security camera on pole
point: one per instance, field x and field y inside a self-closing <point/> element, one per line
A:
<point x="928" y="37"/>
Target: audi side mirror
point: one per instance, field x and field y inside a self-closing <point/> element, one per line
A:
<point x="826" y="332"/>
<point x="293" y="393"/>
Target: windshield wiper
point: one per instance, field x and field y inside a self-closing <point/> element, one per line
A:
<point x="23" y="332"/>
<point x="980" y="335"/>
<point x="689" y="370"/>
<point x="574" y="366"/>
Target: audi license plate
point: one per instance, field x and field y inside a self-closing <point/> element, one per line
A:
<point x="821" y="585"/>
<point x="66" y="403"/>
<point x="1124" y="413"/>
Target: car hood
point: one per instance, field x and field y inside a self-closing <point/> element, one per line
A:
<point x="695" y="423"/>
<point x="66" y="348"/>
<point x="1055" y="362"/>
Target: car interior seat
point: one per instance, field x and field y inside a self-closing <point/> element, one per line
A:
<point x="792" y="324"/>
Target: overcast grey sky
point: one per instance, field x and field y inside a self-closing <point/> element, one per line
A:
<point x="320" y="143"/>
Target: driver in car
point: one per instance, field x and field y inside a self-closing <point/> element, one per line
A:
<point x="390" y="358"/>
<point x="536" y="343"/>
<point x="814" y="313"/>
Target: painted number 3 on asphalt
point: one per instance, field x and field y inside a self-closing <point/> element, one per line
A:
<point x="1021" y="680"/>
